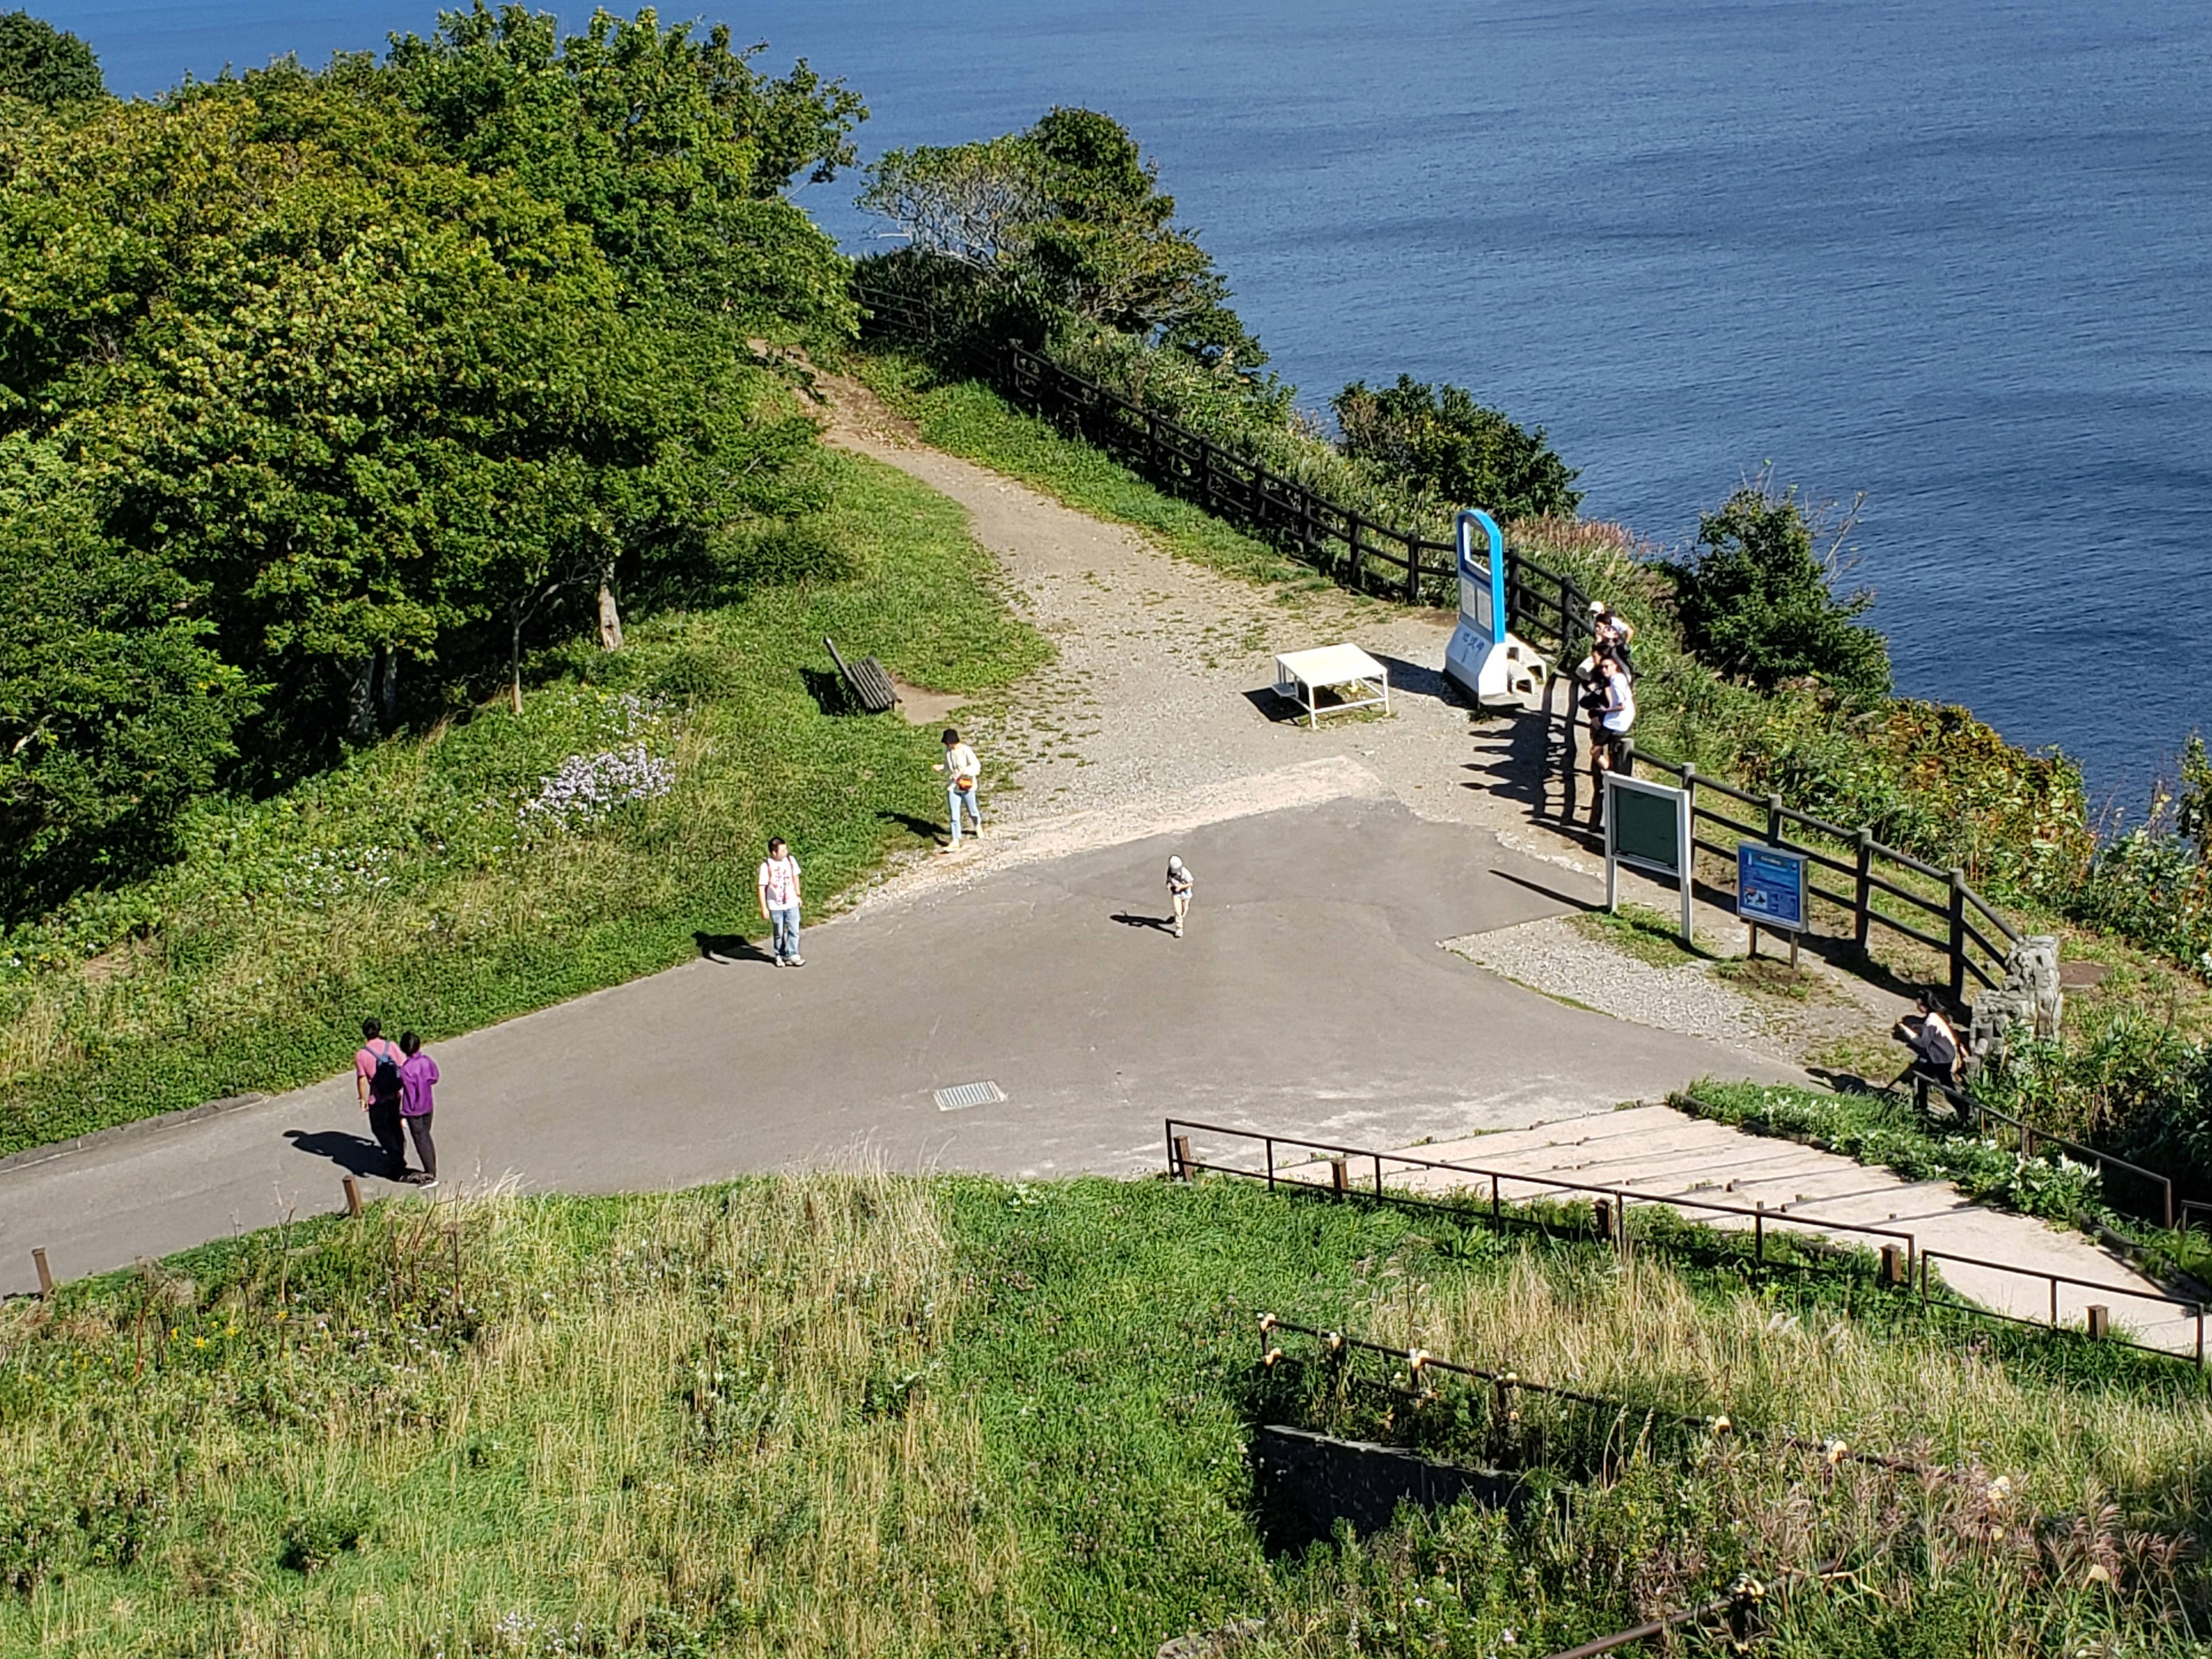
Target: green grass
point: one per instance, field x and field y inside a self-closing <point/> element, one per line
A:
<point x="1642" y="932"/>
<point x="863" y="1415"/>
<point x="401" y="883"/>
<point x="967" y="418"/>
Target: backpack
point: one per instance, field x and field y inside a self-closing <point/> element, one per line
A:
<point x="384" y="1081"/>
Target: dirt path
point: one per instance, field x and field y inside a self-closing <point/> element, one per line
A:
<point x="1159" y="693"/>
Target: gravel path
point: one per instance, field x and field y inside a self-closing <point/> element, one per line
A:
<point x="1555" y="958"/>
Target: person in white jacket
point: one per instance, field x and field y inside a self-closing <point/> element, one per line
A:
<point x="1179" y="886"/>
<point x="962" y="770"/>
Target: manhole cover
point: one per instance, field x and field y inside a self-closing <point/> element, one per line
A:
<point x="965" y="1095"/>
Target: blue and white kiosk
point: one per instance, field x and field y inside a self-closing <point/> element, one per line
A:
<point x="1484" y="657"/>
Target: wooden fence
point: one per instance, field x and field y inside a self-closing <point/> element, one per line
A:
<point x="1544" y="607"/>
<point x="1880" y="876"/>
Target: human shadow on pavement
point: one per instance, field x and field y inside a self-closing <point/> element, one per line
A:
<point x="729" y="947"/>
<point x="1128" y="919"/>
<point x="355" y="1154"/>
<point x="1547" y="892"/>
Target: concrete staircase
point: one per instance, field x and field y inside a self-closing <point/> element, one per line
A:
<point x="1648" y="1152"/>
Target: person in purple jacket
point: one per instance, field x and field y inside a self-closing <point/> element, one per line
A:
<point x="417" y="1074"/>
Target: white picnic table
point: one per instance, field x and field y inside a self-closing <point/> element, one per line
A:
<point x="1301" y="675"/>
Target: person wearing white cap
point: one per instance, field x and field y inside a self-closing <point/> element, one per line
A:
<point x="1178" y="892"/>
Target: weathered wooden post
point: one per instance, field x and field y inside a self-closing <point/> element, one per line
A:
<point x="1957" y="919"/>
<point x="1893" y="1266"/>
<point x="45" y="1276"/>
<point x="1862" y="899"/>
<point x="352" y="1196"/>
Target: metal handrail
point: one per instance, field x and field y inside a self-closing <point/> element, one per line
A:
<point x="1182" y="1164"/>
<point x="2030" y="1136"/>
<point x="1759" y="1216"/>
<point x="2193" y="1310"/>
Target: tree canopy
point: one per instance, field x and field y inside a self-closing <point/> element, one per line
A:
<point x="1448" y="446"/>
<point x="305" y="374"/>
<point x="1757" y="597"/>
<point x="44" y="65"/>
<point x="1068" y="211"/>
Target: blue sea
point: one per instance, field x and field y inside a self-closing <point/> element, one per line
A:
<point x="1956" y="254"/>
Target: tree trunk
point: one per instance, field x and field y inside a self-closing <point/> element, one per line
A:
<point x="387" y="686"/>
<point x="514" y="663"/>
<point x="610" y="617"/>
<point x="361" y="702"/>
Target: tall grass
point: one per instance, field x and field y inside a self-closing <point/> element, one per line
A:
<point x="407" y="884"/>
<point x="860" y="1414"/>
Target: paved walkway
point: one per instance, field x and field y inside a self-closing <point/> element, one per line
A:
<point x="1654" y="1152"/>
<point x="1311" y="990"/>
<point x="1311" y="995"/>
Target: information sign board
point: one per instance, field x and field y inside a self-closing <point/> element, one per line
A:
<point x="1770" y="887"/>
<point x="1647" y="828"/>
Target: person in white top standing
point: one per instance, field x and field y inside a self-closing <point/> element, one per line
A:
<point x="1179" y="886"/>
<point x="778" y="886"/>
<point x="962" y="770"/>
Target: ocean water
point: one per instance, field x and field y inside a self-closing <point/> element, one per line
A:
<point x="1953" y="253"/>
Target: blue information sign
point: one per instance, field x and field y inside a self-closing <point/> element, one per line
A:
<point x="1770" y="887"/>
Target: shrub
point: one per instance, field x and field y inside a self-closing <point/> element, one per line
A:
<point x="1758" y="600"/>
<point x="42" y="65"/>
<point x="1449" y="446"/>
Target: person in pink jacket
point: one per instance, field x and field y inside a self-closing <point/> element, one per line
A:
<point x="418" y="1074"/>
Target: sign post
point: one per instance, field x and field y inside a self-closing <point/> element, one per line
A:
<point x="1769" y="891"/>
<point x="1647" y="828"/>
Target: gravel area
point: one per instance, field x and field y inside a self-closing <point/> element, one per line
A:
<point x="1555" y="959"/>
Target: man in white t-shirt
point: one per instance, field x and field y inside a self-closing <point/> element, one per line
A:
<point x="778" y="886"/>
<point x="962" y="770"/>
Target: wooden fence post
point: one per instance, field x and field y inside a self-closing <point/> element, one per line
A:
<point x="2100" y="1321"/>
<point x="1958" y="933"/>
<point x="1183" y="1158"/>
<point x="352" y="1196"/>
<point x="45" y="1276"/>
<point x="1774" y="820"/>
<point x="1339" y="1176"/>
<point x="1863" y="899"/>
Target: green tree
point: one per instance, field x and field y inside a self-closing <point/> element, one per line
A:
<point x="672" y="150"/>
<point x="1069" y="212"/>
<point x="44" y="65"/>
<point x="114" y="708"/>
<point x="1451" y="447"/>
<point x="356" y="395"/>
<point x="1757" y="597"/>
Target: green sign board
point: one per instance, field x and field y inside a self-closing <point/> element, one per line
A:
<point x="1647" y="828"/>
<point x="1646" y="831"/>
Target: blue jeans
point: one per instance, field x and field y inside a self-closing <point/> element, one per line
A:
<point x="783" y="927"/>
<point x="955" y="796"/>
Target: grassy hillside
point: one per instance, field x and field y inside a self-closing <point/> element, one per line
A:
<point x="853" y="1414"/>
<point x="446" y="880"/>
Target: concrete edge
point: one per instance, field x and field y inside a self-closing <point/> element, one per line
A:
<point x="93" y="1139"/>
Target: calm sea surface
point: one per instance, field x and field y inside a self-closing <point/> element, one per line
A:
<point x="1956" y="253"/>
